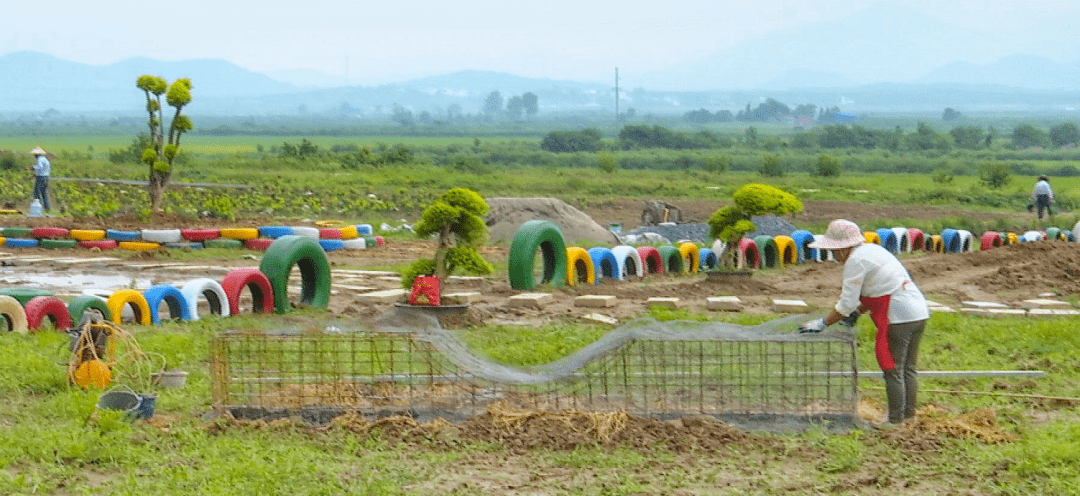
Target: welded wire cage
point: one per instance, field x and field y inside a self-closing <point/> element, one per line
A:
<point x="647" y="368"/>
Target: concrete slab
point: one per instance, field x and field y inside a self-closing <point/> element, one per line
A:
<point x="595" y="301"/>
<point x="1053" y="312"/>
<point x="724" y="303"/>
<point x="942" y="309"/>
<point x="663" y="301"/>
<point x="992" y="312"/>
<point x="465" y="281"/>
<point x="351" y="287"/>
<point x="460" y="298"/>
<point x="530" y="300"/>
<point x="983" y="304"/>
<point x="603" y="319"/>
<point x="1045" y="303"/>
<point x="790" y="306"/>
<point x="384" y="296"/>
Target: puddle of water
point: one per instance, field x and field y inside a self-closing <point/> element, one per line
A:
<point x="76" y="282"/>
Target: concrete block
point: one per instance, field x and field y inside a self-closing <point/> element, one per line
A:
<point x="1053" y="312"/>
<point x="725" y="303"/>
<point x="941" y="308"/>
<point x="465" y="281"/>
<point x="460" y="298"/>
<point x="1044" y="303"/>
<point x="662" y="301"/>
<point x="595" y="301"/>
<point x="603" y="319"/>
<point x="531" y="300"/>
<point x="790" y="306"/>
<point x="992" y="312"/>
<point x="983" y="304"/>
<point x="384" y="296"/>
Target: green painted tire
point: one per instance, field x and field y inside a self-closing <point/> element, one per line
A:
<point x="770" y="255"/>
<point x="58" y="243"/>
<point x="17" y="232"/>
<point x="81" y="303"/>
<point x="24" y="295"/>
<point x="309" y="257"/>
<point x="234" y="244"/>
<point x="532" y="236"/>
<point x="673" y="260"/>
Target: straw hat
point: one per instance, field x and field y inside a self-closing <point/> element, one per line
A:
<point x="38" y="151"/>
<point x="840" y="234"/>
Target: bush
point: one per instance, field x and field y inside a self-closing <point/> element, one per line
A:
<point x="994" y="175"/>
<point x="826" y="166"/>
<point x="772" y="166"/>
<point x="7" y="160"/>
<point x="587" y="140"/>
<point x="942" y="176"/>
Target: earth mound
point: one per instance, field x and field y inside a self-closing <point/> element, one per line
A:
<point x="506" y="215"/>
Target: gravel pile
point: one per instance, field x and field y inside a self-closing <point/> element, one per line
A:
<point x="674" y="233"/>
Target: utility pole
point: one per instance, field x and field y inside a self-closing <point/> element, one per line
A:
<point x="616" y="98"/>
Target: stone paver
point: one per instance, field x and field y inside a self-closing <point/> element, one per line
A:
<point x="983" y="304"/>
<point x="663" y="301"/>
<point x="595" y="301"/>
<point x="460" y="298"/>
<point x="790" y="306"/>
<point x="384" y="296"/>
<point x="530" y="300"/>
<point x="1045" y="303"/>
<point x="724" y="303"/>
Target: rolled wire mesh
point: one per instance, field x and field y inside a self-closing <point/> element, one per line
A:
<point x="411" y="366"/>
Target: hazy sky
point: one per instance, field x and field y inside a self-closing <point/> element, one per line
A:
<point x="389" y="39"/>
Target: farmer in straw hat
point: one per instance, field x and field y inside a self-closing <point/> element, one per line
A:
<point x="876" y="281"/>
<point x="41" y="169"/>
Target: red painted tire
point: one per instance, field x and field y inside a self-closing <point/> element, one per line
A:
<point x="990" y="239"/>
<point x="916" y="238"/>
<point x="330" y="233"/>
<point x="49" y="232"/>
<point x="101" y="244"/>
<point x="40" y="307"/>
<point x="262" y="293"/>
<point x="379" y="241"/>
<point x="260" y="244"/>
<point x="651" y="260"/>
<point x="200" y="234"/>
<point x="749" y="255"/>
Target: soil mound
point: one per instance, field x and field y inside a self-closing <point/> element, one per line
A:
<point x="506" y="215"/>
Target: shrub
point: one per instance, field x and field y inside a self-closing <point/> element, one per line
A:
<point x="994" y="175"/>
<point x="826" y="166"/>
<point x="772" y="166"/>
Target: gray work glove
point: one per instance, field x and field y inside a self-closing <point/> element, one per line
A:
<point x="812" y="326"/>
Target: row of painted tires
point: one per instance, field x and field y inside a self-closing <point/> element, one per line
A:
<point x="331" y="238"/>
<point x="28" y="310"/>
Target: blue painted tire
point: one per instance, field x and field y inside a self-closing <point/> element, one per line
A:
<point x="888" y="240"/>
<point x="951" y="239"/>
<point x="604" y="262"/>
<point x="274" y="232"/>
<point x="21" y="243"/>
<point x="171" y="296"/>
<point x="802" y="238"/>
<point x="707" y="259"/>
<point x="331" y="244"/>
<point x="116" y="235"/>
<point x="364" y="229"/>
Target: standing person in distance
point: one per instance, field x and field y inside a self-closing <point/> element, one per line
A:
<point x="875" y="281"/>
<point x="42" y="168"/>
<point x="1043" y="196"/>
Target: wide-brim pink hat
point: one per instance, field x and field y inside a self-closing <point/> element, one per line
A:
<point x="840" y="234"/>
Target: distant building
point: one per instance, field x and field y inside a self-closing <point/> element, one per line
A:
<point x="843" y="117"/>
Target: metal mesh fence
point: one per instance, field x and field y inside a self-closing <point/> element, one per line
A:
<point x="645" y="368"/>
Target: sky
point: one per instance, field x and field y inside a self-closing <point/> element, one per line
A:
<point x="369" y="42"/>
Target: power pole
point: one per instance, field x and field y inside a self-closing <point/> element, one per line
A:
<point x="616" y="98"/>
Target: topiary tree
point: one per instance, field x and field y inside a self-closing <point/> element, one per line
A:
<point x="162" y="149"/>
<point x="457" y="219"/>
<point x="730" y="223"/>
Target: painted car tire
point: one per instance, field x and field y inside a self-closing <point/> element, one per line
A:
<point x="691" y="255"/>
<point x="132" y="298"/>
<point x="240" y="233"/>
<point x="990" y="240"/>
<point x="903" y="241"/>
<point x="262" y="294"/>
<point x="349" y="232"/>
<point x="531" y="236"/>
<point x="306" y="231"/>
<point x="674" y="263"/>
<point x="310" y="258"/>
<point x="17" y="232"/>
<point x="13" y="314"/>
<point x="651" y="260"/>
<point x="604" y="263"/>
<point x="331" y="244"/>
<point x="101" y="244"/>
<point x="950" y="238"/>
<point x="199" y="234"/>
<point x="137" y="245"/>
<point x="330" y="233"/>
<point x="274" y="232"/>
<point x="888" y="240"/>
<point x="966" y="243"/>
<point x="87" y="234"/>
<point x="628" y="262"/>
<point x="171" y="296"/>
<point x="579" y="266"/>
<point x="354" y="244"/>
<point x="54" y="244"/>
<point x="259" y="244"/>
<point x="917" y="239"/>
<point x="770" y="256"/>
<point x="24" y="295"/>
<point x="749" y="255"/>
<point x="118" y="235"/>
<point x="81" y="303"/>
<point x="227" y="243"/>
<point x="21" y="243"/>
<point x="785" y="250"/>
<point x="206" y="289"/>
<point x="161" y="235"/>
<point x="41" y="307"/>
<point x="49" y="232"/>
<point x="802" y="238"/>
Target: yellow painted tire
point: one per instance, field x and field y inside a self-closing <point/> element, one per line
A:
<point x="691" y="256"/>
<point x="937" y="245"/>
<point x="871" y="237"/>
<point x="241" y="233"/>
<point x="135" y="299"/>
<point x="349" y="232"/>
<point x="788" y="253"/>
<point x="579" y="266"/>
<point x="87" y="234"/>
<point x="137" y="245"/>
<point x="1012" y="238"/>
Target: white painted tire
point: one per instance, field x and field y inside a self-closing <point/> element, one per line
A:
<point x="902" y="239"/>
<point x="718" y="248"/>
<point x="354" y="244"/>
<point x="967" y="240"/>
<point x="161" y="235"/>
<point x="823" y="255"/>
<point x="307" y="232"/>
<point x="206" y="289"/>
<point x="1033" y="236"/>
<point x="1076" y="231"/>
<point x="623" y="254"/>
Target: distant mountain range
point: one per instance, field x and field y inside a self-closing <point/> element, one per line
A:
<point x="883" y="59"/>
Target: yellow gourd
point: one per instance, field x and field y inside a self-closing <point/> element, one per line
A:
<point x="93" y="373"/>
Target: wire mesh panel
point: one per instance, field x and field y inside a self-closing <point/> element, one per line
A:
<point x="645" y="368"/>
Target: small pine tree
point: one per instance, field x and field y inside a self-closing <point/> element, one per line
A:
<point x="457" y="218"/>
<point x="730" y="223"/>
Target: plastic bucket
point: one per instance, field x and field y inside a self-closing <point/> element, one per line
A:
<point x="127" y="401"/>
<point x="170" y="378"/>
<point x="146" y="406"/>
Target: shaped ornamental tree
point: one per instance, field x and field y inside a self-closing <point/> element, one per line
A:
<point x="163" y="148"/>
<point x="729" y="224"/>
<point x="457" y="219"/>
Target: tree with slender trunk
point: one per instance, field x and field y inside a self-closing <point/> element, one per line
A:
<point x="161" y="151"/>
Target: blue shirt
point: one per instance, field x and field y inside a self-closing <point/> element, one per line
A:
<point x="42" y="167"/>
